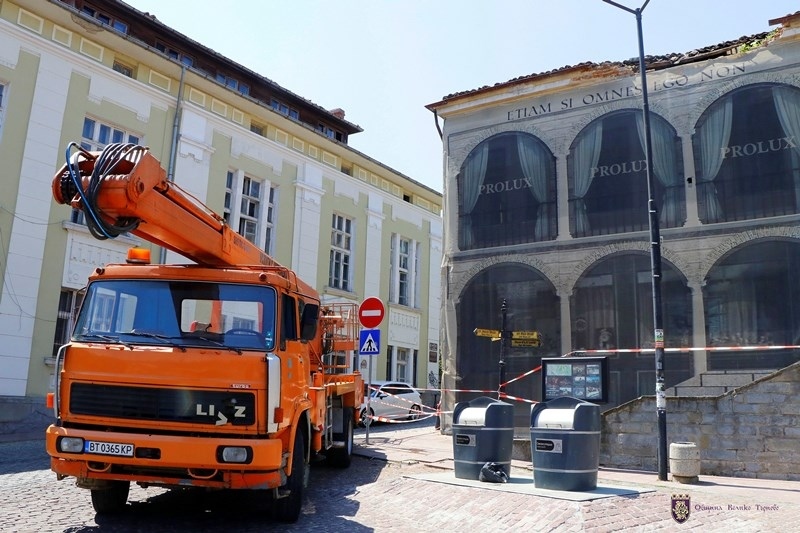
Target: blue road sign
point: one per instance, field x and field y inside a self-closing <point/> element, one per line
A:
<point x="369" y="342"/>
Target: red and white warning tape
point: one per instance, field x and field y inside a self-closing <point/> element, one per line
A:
<point x="428" y="412"/>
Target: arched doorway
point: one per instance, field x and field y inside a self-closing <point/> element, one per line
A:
<point x="752" y="297"/>
<point x="532" y="305"/>
<point x="612" y="308"/>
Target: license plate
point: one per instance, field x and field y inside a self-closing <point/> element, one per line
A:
<point x="108" y="448"/>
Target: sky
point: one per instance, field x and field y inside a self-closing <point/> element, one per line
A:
<point x="383" y="61"/>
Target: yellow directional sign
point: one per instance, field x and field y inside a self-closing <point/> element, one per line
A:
<point x="525" y="335"/>
<point x="525" y="343"/>
<point x="486" y="332"/>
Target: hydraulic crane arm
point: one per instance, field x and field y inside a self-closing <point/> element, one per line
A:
<point x="124" y="189"/>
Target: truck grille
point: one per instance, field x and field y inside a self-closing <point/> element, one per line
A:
<point x="169" y="405"/>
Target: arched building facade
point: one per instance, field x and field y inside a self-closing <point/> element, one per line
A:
<point x="546" y="198"/>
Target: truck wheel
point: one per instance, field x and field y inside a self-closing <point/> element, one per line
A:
<point x="340" y="457"/>
<point x="112" y="499"/>
<point x="287" y="509"/>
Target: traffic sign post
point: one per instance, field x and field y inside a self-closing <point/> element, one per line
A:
<point x="370" y="315"/>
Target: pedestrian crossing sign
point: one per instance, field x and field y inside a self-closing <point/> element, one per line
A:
<point x="370" y="342"/>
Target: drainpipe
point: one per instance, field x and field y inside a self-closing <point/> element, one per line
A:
<point x="162" y="255"/>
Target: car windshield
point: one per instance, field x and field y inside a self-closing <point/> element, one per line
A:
<point x="178" y="313"/>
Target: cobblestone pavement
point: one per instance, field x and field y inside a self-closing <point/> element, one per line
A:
<point x="377" y="494"/>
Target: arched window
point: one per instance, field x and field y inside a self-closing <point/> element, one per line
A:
<point x="751" y="298"/>
<point x="747" y="151"/>
<point x="507" y="193"/>
<point x="607" y="174"/>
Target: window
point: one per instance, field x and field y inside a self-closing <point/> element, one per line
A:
<point x="68" y="304"/>
<point x="747" y="155"/>
<point x="226" y="212"/>
<point x="95" y="136"/>
<point x="257" y="128"/>
<point x="269" y="222"/>
<point x="607" y="175"/>
<point x="507" y="193"/>
<point x="401" y="364"/>
<point x="341" y="248"/>
<point x="402" y="272"/>
<point x="404" y="276"/>
<point x="284" y="109"/>
<point x="175" y="54"/>
<point x="249" y="209"/>
<point x="233" y="83"/>
<point x="331" y="133"/>
<point x="123" y="69"/>
<point x="178" y="313"/>
<point x="118" y="25"/>
<point x="255" y="217"/>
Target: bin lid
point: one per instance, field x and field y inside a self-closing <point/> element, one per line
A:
<point x="566" y="413"/>
<point x="484" y="411"/>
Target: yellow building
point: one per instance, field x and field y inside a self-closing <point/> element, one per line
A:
<point x="277" y="165"/>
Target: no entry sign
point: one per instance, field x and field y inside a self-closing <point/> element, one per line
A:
<point x="370" y="312"/>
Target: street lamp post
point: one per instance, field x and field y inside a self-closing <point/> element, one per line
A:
<point x="655" y="254"/>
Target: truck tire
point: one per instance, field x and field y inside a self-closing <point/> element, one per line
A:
<point x="287" y="509"/>
<point x="341" y="457"/>
<point x="112" y="499"/>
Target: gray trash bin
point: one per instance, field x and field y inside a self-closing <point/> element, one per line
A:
<point x="483" y="432"/>
<point x="565" y="444"/>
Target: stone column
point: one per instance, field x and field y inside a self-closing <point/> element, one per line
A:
<point x="566" y="320"/>
<point x="562" y="198"/>
<point x="698" y="327"/>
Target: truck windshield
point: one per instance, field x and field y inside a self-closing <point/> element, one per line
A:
<point x="178" y="313"/>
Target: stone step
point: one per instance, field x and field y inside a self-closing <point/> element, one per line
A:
<point x="737" y="379"/>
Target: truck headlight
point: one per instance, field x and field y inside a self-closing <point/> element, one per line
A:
<point x="71" y="444"/>
<point x="234" y="454"/>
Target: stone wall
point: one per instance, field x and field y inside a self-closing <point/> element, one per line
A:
<point x="752" y="431"/>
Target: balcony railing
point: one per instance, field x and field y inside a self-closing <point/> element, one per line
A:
<point x="732" y="200"/>
<point x="508" y="227"/>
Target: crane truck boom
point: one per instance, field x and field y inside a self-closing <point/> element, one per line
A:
<point x="225" y="374"/>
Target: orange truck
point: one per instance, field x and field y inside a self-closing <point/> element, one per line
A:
<point x="228" y="373"/>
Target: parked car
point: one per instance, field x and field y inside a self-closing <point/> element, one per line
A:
<point x="393" y="400"/>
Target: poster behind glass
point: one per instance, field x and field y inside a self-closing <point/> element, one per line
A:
<point x="584" y="378"/>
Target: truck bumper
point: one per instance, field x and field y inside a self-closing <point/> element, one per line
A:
<point x="170" y="461"/>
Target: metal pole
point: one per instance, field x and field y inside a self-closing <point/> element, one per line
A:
<point x="369" y="393"/>
<point x="503" y="337"/>
<point x="655" y="255"/>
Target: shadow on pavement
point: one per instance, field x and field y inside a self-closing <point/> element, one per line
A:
<point x="23" y="456"/>
<point x="326" y="506"/>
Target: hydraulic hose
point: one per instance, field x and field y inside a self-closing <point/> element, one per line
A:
<point x="104" y="165"/>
